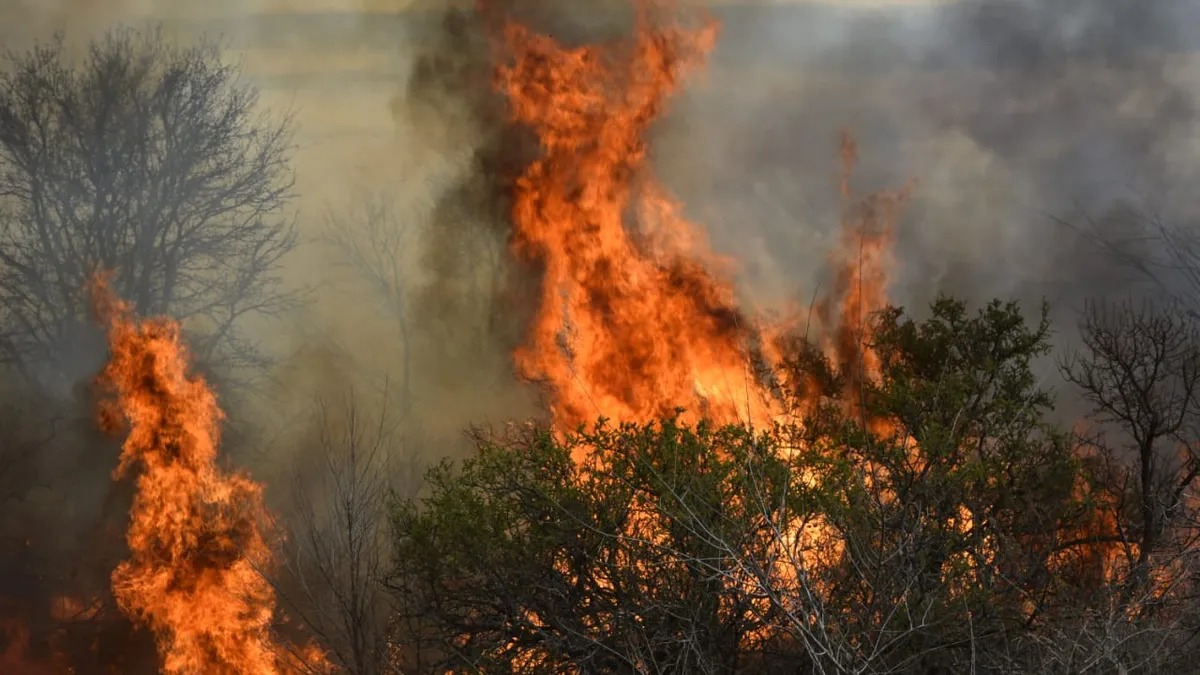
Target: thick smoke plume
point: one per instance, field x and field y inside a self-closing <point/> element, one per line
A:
<point x="1032" y="128"/>
<point x="1010" y="114"/>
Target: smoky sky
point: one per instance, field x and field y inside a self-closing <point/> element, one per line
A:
<point x="1089" y="80"/>
<point x="1030" y="126"/>
<point x="1095" y="101"/>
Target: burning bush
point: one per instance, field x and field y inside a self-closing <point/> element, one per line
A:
<point x="910" y="530"/>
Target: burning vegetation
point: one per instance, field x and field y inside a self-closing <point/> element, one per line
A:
<point x="847" y="488"/>
<point x="631" y="322"/>
<point x="197" y="535"/>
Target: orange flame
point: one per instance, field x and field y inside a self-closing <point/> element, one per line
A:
<point x="632" y="323"/>
<point x="196" y="537"/>
<point x="635" y="318"/>
<point x="860" y="283"/>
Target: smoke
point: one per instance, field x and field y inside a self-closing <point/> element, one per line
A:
<point x="1030" y="127"/>
<point x="24" y="21"/>
<point x="1007" y="112"/>
<point x="416" y="298"/>
<point x="1092" y="101"/>
<point x="1010" y="114"/>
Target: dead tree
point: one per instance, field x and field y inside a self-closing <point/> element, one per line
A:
<point x="1139" y="368"/>
<point x="1146" y="245"/>
<point x="335" y="551"/>
<point x="148" y="159"/>
<point x="377" y="245"/>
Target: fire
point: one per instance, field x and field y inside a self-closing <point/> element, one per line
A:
<point x="631" y="323"/>
<point x="15" y="648"/>
<point x="196" y="534"/>
<point x="637" y="316"/>
<point x="861" y="266"/>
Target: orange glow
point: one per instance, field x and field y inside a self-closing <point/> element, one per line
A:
<point x="637" y="315"/>
<point x="632" y="322"/>
<point x="14" y="651"/>
<point x="196" y="533"/>
<point x="66" y="608"/>
<point x="861" y="265"/>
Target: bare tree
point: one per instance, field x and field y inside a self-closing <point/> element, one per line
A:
<point x="1100" y="638"/>
<point x="375" y="243"/>
<point x="1139" y="368"/>
<point x="337" y="540"/>
<point x="148" y="159"/>
<point x="1149" y="246"/>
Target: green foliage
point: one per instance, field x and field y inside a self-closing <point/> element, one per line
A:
<point x="632" y="559"/>
<point x="963" y="487"/>
<point x="907" y="525"/>
<point x="963" y="390"/>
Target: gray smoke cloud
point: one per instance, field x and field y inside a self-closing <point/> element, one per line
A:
<point x="1009" y="114"/>
<point x="1095" y="101"/>
<point x="1031" y="127"/>
<point x="1043" y="135"/>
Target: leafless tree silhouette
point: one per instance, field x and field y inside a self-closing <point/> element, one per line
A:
<point x="376" y="243"/>
<point x="1139" y="368"/>
<point x="144" y="158"/>
<point x="335" y="550"/>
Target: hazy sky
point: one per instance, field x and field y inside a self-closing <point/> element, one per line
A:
<point x="338" y="70"/>
<point x="786" y="80"/>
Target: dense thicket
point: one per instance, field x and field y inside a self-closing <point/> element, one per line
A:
<point x="931" y="520"/>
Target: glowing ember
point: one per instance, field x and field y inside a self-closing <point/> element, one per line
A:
<point x="14" y="650"/>
<point x="195" y="536"/>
